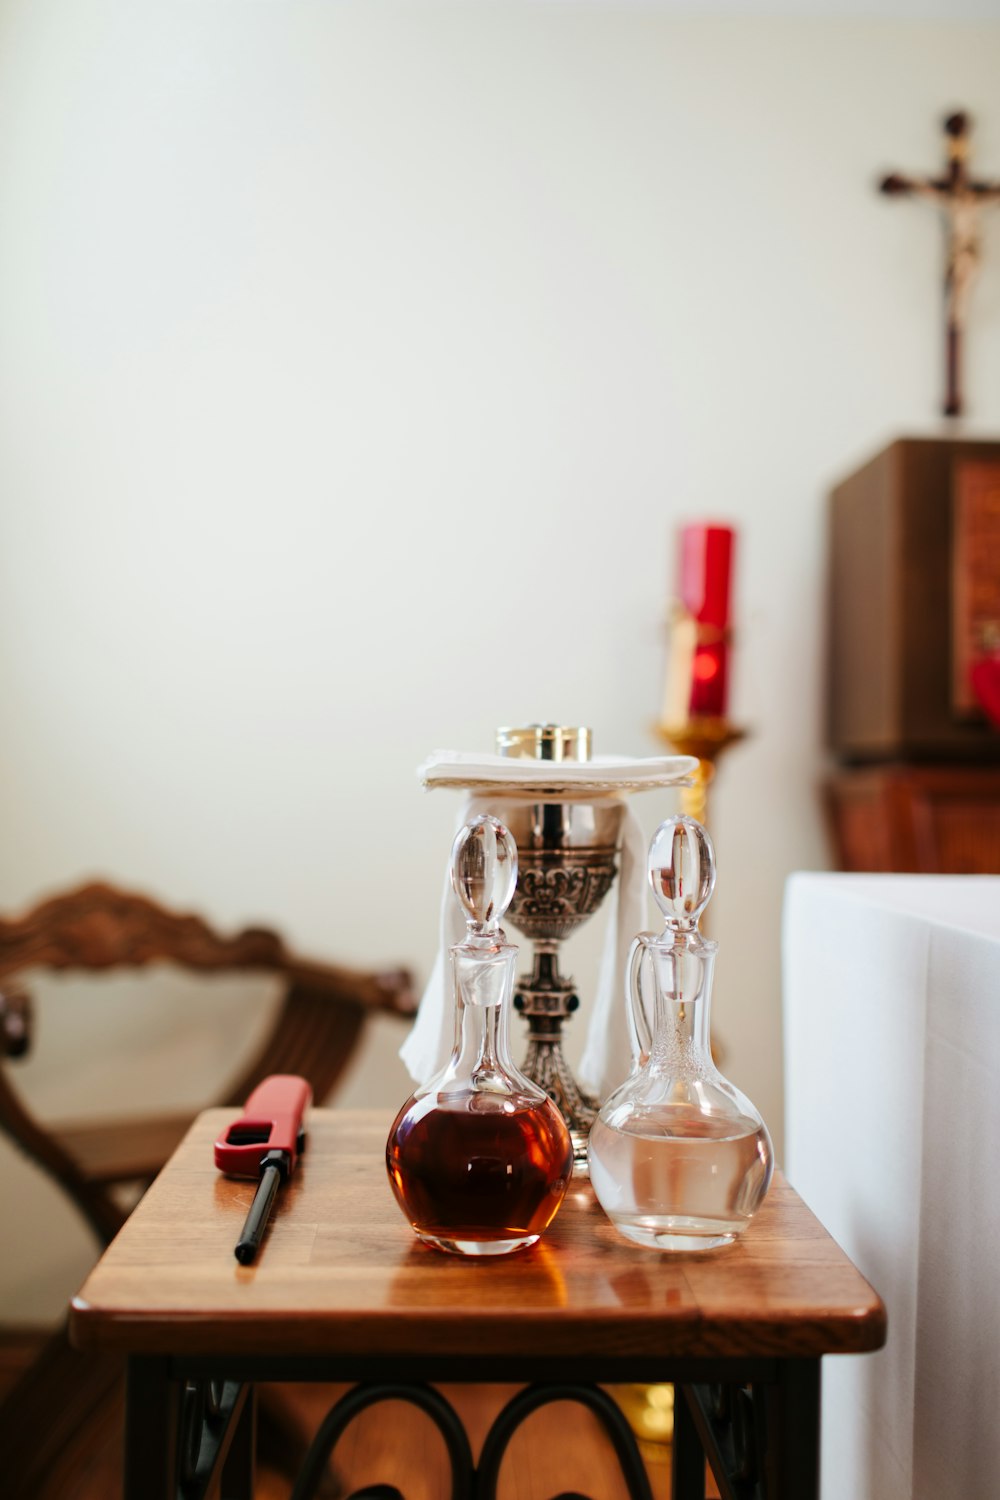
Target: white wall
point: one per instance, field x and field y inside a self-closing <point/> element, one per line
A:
<point x="357" y="363"/>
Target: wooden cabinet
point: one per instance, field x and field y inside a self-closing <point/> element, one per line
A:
<point x="922" y="819"/>
<point x="909" y="533"/>
<point x="914" y="592"/>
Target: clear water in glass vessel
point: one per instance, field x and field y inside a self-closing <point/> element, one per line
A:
<point x="679" y="1158"/>
<point x="688" y="1182"/>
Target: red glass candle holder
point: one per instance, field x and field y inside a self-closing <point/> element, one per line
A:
<point x="705" y="589"/>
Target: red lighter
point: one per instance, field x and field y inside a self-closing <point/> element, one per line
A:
<point x="265" y="1142"/>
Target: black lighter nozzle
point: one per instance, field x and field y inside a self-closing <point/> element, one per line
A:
<point x="253" y="1230"/>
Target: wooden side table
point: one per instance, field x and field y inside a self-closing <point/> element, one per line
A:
<point x="343" y="1291"/>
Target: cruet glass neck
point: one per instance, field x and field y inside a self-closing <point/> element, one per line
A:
<point x="484" y="980"/>
<point x="683" y="998"/>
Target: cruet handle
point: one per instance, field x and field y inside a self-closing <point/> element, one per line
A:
<point x="638" y="1009"/>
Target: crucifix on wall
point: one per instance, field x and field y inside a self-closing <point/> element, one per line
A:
<point x="960" y="199"/>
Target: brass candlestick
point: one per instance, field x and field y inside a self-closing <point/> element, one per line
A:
<point x="696" y="672"/>
<point x="705" y="738"/>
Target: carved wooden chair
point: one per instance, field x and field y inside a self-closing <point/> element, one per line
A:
<point x="316" y="1032"/>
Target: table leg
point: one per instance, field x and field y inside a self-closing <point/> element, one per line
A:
<point x="219" y="1421"/>
<point x="239" y="1468"/>
<point x="687" y="1464"/>
<point x="791" y="1458"/>
<point x="152" y="1401"/>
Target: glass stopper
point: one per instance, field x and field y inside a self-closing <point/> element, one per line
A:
<point x="484" y="872"/>
<point x="681" y="872"/>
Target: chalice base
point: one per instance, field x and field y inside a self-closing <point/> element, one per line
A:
<point x="545" y="1065"/>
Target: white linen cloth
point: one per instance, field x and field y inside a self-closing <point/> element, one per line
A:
<point x="609" y="772"/>
<point x="607" y="1056"/>
<point x="892" y="1120"/>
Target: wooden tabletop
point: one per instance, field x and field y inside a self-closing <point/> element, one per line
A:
<point x="340" y="1272"/>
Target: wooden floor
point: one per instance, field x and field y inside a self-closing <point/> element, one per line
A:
<point x="559" y="1448"/>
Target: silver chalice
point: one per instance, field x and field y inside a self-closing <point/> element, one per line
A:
<point x="567" y="851"/>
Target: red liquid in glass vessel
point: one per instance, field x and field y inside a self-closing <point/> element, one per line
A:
<point x="479" y="1173"/>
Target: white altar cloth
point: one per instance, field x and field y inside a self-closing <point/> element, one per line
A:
<point x="892" y="1092"/>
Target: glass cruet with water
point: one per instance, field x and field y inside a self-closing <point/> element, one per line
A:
<point x="480" y="1157"/>
<point x="679" y="1158"/>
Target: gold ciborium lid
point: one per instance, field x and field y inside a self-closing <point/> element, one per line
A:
<point x="545" y="742"/>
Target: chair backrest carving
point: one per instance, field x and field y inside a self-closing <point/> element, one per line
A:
<point x="101" y="927"/>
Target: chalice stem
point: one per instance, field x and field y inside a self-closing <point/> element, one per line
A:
<point x="546" y="1000"/>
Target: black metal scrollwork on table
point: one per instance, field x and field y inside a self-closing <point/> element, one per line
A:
<point x="469" y="1481"/>
<point x="208" y="1412"/>
<point x="728" y="1423"/>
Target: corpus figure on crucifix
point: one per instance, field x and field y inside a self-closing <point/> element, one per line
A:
<point x="960" y="200"/>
